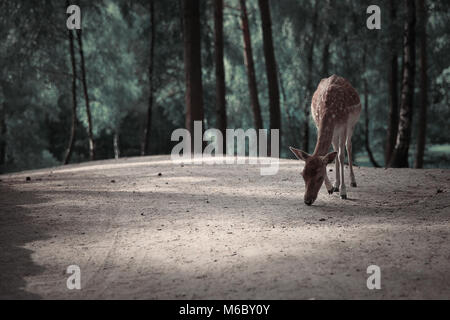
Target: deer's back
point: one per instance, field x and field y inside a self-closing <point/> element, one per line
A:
<point x="335" y="98"/>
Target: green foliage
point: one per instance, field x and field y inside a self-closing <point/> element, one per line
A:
<point x="35" y="88"/>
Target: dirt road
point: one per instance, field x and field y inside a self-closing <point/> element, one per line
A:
<point x="145" y="228"/>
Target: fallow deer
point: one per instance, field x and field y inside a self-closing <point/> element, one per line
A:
<point x="335" y="108"/>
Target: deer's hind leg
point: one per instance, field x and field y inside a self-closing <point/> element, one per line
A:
<point x="341" y="156"/>
<point x="335" y="143"/>
<point x="348" y="144"/>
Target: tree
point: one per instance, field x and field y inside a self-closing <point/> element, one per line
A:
<point x="2" y="136"/>
<point x="74" y="99"/>
<point x="325" y="59"/>
<point x="366" y="112"/>
<point x="271" y="66"/>
<point x="421" y="135"/>
<point x="192" y="64"/>
<point x="309" y="85"/>
<point x="221" y="112"/>
<point x="125" y="80"/>
<point x="250" y="67"/>
<point x="148" y="123"/>
<point x="400" y="154"/>
<point x="393" y="90"/>
<point x="86" y="95"/>
<point x="116" y="145"/>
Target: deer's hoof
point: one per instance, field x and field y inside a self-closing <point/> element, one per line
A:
<point x="331" y="191"/>
<point x="343" y="196"/>
<point x="335" y="189"/>
<point x="353" y="184"/>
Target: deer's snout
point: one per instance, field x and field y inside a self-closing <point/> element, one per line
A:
<point x="309" y="200"/>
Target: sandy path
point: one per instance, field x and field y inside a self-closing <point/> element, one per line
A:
<point x="221" y="232"/>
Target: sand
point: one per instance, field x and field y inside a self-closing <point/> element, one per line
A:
<point x="147" y="228"/>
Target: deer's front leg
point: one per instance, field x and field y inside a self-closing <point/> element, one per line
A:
<point x="328" y="185"/>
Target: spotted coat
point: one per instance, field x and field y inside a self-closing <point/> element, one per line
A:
<point x="335" y="105"/>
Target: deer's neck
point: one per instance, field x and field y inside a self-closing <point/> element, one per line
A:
<point x="324" y="136"/>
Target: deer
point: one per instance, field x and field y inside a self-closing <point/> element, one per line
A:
<point x="335" y="108"/>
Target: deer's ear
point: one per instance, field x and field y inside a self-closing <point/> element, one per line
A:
<point x="329" y="158"/>
<point x="301" y="155"/>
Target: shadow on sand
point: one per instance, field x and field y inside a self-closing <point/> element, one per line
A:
<point x="17" y="228"/>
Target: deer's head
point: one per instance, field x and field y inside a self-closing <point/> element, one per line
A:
<point x="313" y="172"/>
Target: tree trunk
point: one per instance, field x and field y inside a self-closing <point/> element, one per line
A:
<point x="192" y="64"/>
<point x="248" y="57"/>
<point x="271" y="67"/>
<point x="310" y="61"/>
<point x="146" y="137"/>
<point x="86" y="96"/>
<point x="326" y="58"/>
<point x="221" y="113"/>
<point x="366" y="112"/>
<point x="327" y="41"/>
<point x="116" y="145"/>
<point x="421" y="136"/>
<point x="399" y="157"/>
<point x="393" y="89"/>
<point x="2" y="136"/>
<point x="285" y="110"/>
<point x="74" y="100"/>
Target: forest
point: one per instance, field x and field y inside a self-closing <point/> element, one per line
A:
<point x="137" y="70"/>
